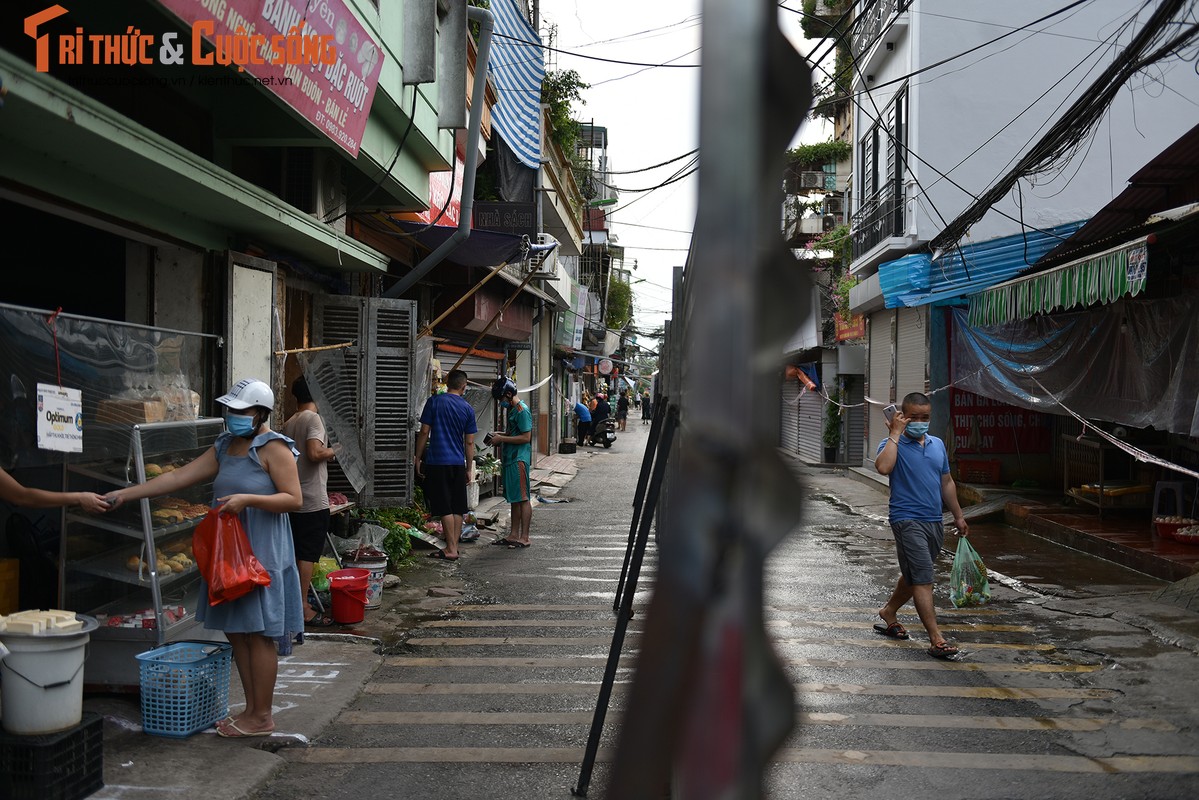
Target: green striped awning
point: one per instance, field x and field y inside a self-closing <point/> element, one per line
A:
<point x="1100" y="278"/>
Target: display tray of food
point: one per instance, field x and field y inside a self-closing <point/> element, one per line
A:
<point x="1167" y="527"/>
<point x="1187" y="535"/>
<point x="172" y="560"/>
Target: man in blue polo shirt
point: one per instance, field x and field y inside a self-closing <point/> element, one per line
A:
<point x="448" y="428"/>
<point x="918" y="466"/>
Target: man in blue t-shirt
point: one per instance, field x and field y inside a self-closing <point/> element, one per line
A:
<point x="447" y="427"/>
<point x="918" y="466"/>
<point x="516" y="453"/>
<point x="584" y="427"/>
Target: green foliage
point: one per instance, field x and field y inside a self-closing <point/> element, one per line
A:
<point x="620" y="304"/>
<point x="815" y="27"/>
<point x="815" y="156"/>
<point x="839" y="242"/>
<point x="832" y="421"/>
<point x="832" y="97"/>
<point x="559" y="90"/>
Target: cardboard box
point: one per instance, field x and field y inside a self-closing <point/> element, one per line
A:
<point x="131" y="412"/>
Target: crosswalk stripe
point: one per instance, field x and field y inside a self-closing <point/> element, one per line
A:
<point x="587" y="641"/>
<point x="874" y="690"/>
<point x="815" y="609"/>
<point x="894" y="758"/>
<point x="932" y="664"/>
<point x="817" y="663"/>
<point x="803" y="718"/>
<point x="491" y="622"/>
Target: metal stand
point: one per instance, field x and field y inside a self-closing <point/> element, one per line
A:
<point x="660" y="456"/>
<point x="647" y="462"/>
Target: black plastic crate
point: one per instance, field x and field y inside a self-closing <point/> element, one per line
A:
<point x="58" y="766"/>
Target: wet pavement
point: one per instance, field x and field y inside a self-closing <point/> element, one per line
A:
<point x="1074" y="682"/>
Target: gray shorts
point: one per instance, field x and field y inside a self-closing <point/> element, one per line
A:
<point x="918" y="544"/>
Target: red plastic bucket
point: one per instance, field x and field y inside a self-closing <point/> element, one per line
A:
<point x="348" y="590"/>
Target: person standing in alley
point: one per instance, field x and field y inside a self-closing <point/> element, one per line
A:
<point x="310" y="524"/>
<point x="516" y="453"/>
<point x="647" y="411"/>
<point x="918" y="467"/>
<point x="583" y="413"/>
<point x="447" y="431"/>
<point x="622" y="409"/>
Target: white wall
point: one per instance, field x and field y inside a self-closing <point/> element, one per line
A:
<point x="958" y="106"/>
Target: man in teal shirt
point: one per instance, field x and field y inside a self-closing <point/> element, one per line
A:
<point x="516" y="452"/>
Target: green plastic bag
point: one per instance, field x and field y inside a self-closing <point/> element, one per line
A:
<point x="968" y="585"/>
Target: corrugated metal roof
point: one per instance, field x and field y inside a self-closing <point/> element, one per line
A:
<point x="1169" y="180"/>
<point x="974" y="267"/>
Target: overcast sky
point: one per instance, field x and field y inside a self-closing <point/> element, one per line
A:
<point x="651" y="116"/>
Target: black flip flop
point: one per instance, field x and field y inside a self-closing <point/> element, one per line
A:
<point x="441" y="556"/>
<point x="319" y="621"/>
<point x="892" y="631"/>
<point x="501" y="542"/>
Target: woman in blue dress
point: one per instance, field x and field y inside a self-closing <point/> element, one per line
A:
<point x="253" y="470"/>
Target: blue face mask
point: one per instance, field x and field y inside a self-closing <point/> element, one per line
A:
<point x="504" y="404"/>
<point x="239" y="424"/>
<point x="916" y="429"/>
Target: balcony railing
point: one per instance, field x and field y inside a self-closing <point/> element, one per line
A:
<point x="867" y="27"/>
<point x="879" y="217"/>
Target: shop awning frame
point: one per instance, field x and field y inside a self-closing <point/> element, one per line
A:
<point x="1099" y="278"/>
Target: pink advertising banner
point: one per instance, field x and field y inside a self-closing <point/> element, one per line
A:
<point x="313" y="54"/>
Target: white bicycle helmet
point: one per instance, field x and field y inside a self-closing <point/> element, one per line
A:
<point x="248" y="393"/>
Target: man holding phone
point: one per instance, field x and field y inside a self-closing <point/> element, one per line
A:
<point x="918" y="466"/>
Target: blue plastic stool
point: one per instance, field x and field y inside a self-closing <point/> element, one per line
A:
<point x="1172" y="491"/>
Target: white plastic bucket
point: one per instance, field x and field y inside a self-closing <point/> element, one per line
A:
<point x="41" y="680"/>
<point x="374" y="586"/>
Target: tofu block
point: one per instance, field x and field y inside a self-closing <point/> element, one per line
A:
<point x="25" y="626"/>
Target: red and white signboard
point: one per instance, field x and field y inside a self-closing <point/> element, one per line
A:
<point x="312" y="54"/>
<point x="440" y="190"/>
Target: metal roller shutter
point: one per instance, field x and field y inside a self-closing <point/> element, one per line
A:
<point x="481" y="373"/>
<point x="811" y="427"/>
<point x="789" y="419"/>
<point x="855" y="396"/>
<point x="880" y="380"/>
<point x="911" y="360"/>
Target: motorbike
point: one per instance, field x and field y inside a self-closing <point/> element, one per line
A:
<point x="604" y="432"/>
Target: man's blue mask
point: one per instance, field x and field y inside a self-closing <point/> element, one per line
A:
<point x="916" y="429"/>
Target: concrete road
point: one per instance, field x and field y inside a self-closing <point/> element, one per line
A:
<point x="1064" y="692"/>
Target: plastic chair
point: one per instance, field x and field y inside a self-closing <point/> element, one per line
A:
<point x="1171" y="491"/>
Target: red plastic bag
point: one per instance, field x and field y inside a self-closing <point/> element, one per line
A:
<point x="225" y="559"/>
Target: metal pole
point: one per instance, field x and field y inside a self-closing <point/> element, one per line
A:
<point x="626" y="610"/>
<point x="470" y="164"/>
<point x="638" y="497"/>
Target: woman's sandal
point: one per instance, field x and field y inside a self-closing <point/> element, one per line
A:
<point x="441" y="556"/>
<point x="319" y="620"/>
<point x="502" y="542"/>
<point x="944" y="650"/>
<point x="517" y="545"/>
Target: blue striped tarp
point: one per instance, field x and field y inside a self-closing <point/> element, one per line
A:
<point x="518" y="68"/>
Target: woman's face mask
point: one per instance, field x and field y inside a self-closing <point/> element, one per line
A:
<point x="504" y="404"/>
<point x="240" y="424"/>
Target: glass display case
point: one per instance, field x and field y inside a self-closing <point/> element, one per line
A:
<point x="132" y="568"/>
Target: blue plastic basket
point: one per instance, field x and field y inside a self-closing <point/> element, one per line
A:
<point x="184" y="687"/>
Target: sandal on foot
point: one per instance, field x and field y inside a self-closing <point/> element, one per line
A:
<point x="517" y="545"/>
<point x="231" y="731"/>
<point x="944" y="650"/>
<point x="892" y="631"/>
<point x="502" y="542"/>
<point x="441" y="556"/>
<point x="319" y="621"/>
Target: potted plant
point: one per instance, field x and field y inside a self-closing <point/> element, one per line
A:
<point x="832" y="428"/>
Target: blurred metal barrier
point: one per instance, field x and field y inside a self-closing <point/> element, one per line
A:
<point x="710" y="701"/>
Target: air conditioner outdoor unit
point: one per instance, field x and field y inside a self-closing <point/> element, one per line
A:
<point x="543" y="265"/>
<point x="811" y="180"/>
<point x="330" y="190"/>
<point x="834" y="205"/>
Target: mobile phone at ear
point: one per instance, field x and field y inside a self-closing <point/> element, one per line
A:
<point x="889" y="412"/>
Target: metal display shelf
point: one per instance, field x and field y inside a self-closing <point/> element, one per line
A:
<point x="93" y="576"/>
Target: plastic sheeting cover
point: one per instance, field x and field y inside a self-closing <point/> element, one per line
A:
<point x="1135" y="362"/>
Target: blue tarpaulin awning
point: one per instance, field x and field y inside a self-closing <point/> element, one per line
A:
<point x="518" y="66"/>
<point x="918" y="280"/>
